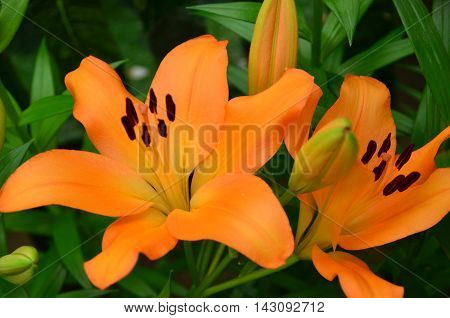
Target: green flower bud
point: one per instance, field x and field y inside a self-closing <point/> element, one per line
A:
<point x="18" y="267"/>
<point x="325" y="158"/>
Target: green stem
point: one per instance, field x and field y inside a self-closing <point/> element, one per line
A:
<point x="206" y="257"/>
<point x="317" y="32"/>
<point x="248" y="278"/>
<point x="201" y="254"/>
<point x="210" y="278"/>
<point x="216" y="258"/>
<point x="189" y="253"/>
<point x="286" y="197"/>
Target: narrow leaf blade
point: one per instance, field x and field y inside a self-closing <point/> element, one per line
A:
<point x="430" y="51"/>
<point x="11" y="15"/>
<point x="347" y="12"/>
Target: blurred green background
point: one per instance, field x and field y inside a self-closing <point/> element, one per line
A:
<point x="56" y="34"/>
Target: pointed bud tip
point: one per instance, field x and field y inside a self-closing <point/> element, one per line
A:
<point x="325" y="158"/>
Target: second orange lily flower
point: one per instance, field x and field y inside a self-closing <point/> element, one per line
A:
<point x="385" y="197"/>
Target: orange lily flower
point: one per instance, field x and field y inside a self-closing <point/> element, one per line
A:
<point x="385" y="197"/>
<point x="142" y="174"/>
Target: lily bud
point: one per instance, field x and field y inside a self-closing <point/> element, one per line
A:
<point x="274" y="44"/>
<point x="18" y="267"/>
<point x="2" y="124"/>
<point x="325" y="158"/>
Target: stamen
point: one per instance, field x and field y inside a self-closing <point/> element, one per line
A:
<point x="378" y="171"/>
<point x="409" y="180"/>
<point x="170" y="107"/>
<point x="153" y="102"/>
<point x="404" y="156"/>
<point x="386" y="156"/>
<point x="128" y="127"/>
<point x="162" y="128"/>
<point x="385" y="146"/>
<point x="145" y="135"/>
<point x="371" y="148"/>
<point x="392" y="186"/>
<point x="131" y="112"/>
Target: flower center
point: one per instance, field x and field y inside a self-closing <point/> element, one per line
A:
<point x="149" y="126"/>
<point x="399" y="182"/>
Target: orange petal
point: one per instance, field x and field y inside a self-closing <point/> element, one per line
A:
<point x="400" y="214"/>
<point x="195" y="75"/>
<point x="366" y="102"/>
<point x="123" y="241"/>
<point x="190" y="90"/>
<point x="355" y="277"/>
<point x="255" y="127"/>
<point x="100" y="100"/>
<point x="78" y="179"/>
<point x="240" y="211"/>
<point x="298" y="131"/>
<point x="422" y="160"/>
<point x="335" y="205"/>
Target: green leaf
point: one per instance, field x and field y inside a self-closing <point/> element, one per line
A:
<point x="242" y="28"/>
<point x="68" y="245"/>
<point x="382" y="53"/>
<point x="10" y="290"/>
<point x="3" y="242"/>
<point x="135" y="285"/>
<point x="441" y="12"/>
<point x="85" y="293"/>
<point x="128" y="30"/>
<point x="11" y="160"/>
<point x="11" y="15"/>
<point x="241" y="11"/>
<point x="2" y="124"/>
<point x="49" y="278"/>
<point x="47" y="107"/>
<point x="38" y="223"/>
<point x="430" y="51"/>
<point x="165" y="292"/>
<point x="158" y="279"/>
<point x="427" y="125"/>
<point x="403" y="123"/>
<point x="245" y="11"/>
<point x="43" y="86"/>
<point x="333" y="33"/>
<point x="118" y="64"/>
<point x="347" y="12"/>
<point x="13" y="113"/>
<point x="238" y="78"/>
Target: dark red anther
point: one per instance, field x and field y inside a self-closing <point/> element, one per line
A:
<point x="153" y="104"/>
<point x="404" y="157"/>
<point x="385" y="145"/>
<point x="371" y="148"/>
<point x="145" y="135"/>
<point x="131" y="112"/>
<point x="170" y="107"/>
<point x="162" y="128"/>
<point x="392" y="186"/>
<point x="409" y="180"/>
<point x="128" y="127"/>
<point x="378" y="170"/>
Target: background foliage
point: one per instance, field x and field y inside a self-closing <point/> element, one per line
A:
<point x="402" y="43"/>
